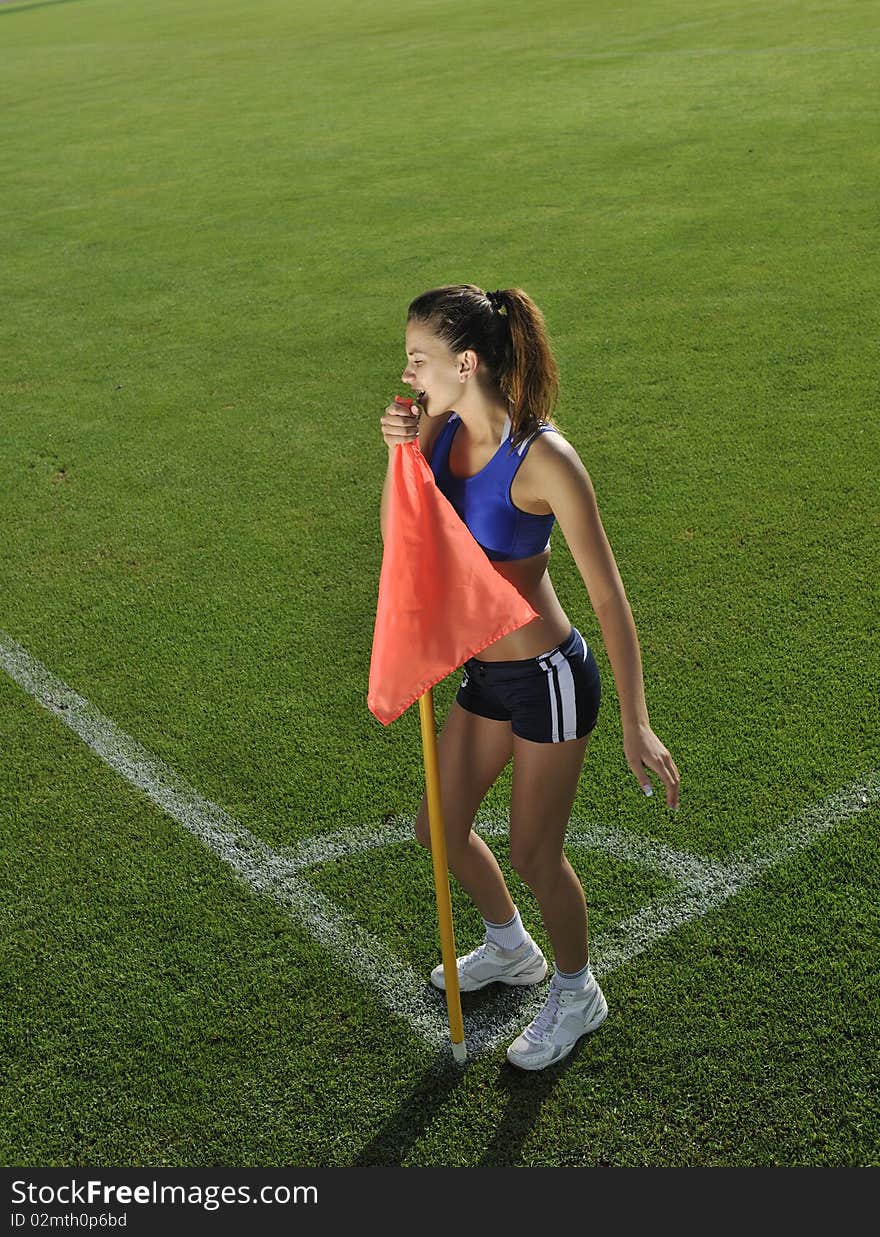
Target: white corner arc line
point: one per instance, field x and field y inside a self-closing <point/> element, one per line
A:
<point x="701" y="883"/>
<point x="267" y="872"/>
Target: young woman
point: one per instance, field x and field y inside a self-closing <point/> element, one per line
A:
<point x="486" y="384"/>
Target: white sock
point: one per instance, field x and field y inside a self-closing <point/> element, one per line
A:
<point x="508" y="935"/>
<point x="577" y="980"/>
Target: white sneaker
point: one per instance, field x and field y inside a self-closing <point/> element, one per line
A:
<point x="489" y="964"/>
<point x="567" y="1015"/>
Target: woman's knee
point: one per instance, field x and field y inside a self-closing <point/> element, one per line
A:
<point x="457" y="834"/>
<point x="534" y="865"/>
<point x="423" y="831"/>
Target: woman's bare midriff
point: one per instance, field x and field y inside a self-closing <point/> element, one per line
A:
<point x="529" y="577"/>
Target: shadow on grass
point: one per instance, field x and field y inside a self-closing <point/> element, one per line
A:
<point x="19" y="6"/>
<point x="406" y="1126"/>
<point x="526" y="1091"/>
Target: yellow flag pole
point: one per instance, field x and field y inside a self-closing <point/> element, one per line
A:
<point x="441" y="874"/>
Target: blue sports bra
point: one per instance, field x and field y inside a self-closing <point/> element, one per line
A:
<point x="483" y="501"/>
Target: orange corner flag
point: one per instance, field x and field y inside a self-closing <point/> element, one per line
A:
<point x="440" y="599"/>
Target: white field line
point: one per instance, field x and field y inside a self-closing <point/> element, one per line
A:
<point x="701" y="884"/>
<point x="266" y="871"/>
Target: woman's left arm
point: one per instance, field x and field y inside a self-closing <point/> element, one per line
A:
<point x="564" y="483"/>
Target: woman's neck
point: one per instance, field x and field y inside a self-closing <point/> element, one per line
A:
<point x="484" y="419"/>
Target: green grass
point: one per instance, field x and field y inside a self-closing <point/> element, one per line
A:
<point x="214" y="216"/>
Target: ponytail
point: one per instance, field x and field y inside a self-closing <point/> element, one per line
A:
<point x="507" y="331"/>
<point x="531" y="382"/>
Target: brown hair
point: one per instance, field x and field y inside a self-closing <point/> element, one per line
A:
<point x="510" y="337"/>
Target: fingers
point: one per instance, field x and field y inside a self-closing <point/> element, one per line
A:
<point x="665" y="768"/>
<point x="639" y="770"/>
<point x="671" y="781"/>
<point x="668" y="773"/>
<point x="400" y="424"/>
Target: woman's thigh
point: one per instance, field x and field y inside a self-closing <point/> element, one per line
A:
<point x="471" y="753"/>
<point x="545" y="782"/>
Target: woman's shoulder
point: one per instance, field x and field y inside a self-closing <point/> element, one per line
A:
<point x="550" y="461"/>
<point x="550" y="444"/>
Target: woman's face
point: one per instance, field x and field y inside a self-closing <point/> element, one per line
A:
<point x="431" y="370"/>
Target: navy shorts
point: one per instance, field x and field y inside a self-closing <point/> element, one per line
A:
<point x="548" y="699"/>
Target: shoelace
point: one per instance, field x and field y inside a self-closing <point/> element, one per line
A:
<point x="541" y="1025"/>
<point x="474" y="954"/>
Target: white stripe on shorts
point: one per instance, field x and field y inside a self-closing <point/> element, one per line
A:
<point x="559" y="674"/>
